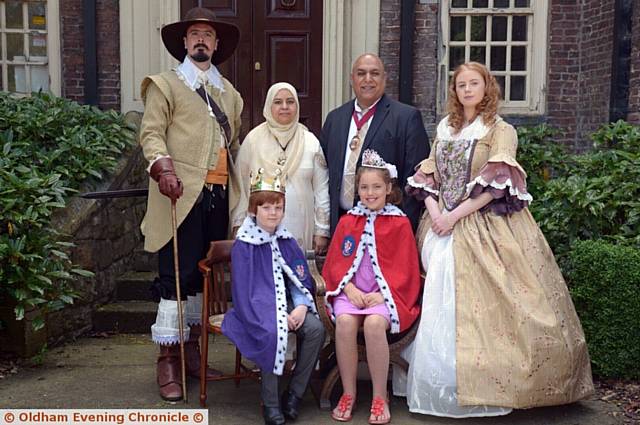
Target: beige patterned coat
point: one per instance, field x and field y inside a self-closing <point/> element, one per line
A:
<point x="176" y="122"/>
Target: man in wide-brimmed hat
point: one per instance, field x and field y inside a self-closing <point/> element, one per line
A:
<point x="190" y="151"/>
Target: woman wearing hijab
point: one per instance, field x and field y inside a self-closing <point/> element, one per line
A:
<point x="281" y="142"/>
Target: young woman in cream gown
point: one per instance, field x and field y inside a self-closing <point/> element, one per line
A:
<point x="498" y="328"/>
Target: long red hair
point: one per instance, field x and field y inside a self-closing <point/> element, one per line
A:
<point x="488" y="106"/>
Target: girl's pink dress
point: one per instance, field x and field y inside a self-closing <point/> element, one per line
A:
<point x="364" y="280"/>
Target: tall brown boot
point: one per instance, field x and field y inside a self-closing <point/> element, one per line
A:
<point x="168" y="371"/>
<point x="192" y="355"/>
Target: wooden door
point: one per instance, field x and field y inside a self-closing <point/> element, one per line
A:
<point x="281" y="40"/>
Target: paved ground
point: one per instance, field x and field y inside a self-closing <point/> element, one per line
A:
<point x="119" y="372"/>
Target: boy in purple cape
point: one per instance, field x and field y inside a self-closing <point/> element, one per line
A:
<point x="272" y="295"/>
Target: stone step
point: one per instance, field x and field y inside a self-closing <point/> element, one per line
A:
<point x="125" y="317"/>
<point x="134" y="286"/>
<point x="144" y="261"/>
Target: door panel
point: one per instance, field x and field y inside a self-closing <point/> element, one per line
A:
<point x="290" y="33"/>
<point x="281" y="40"/>
<point x="288" y="8"/>
<point x="288" y="60"/>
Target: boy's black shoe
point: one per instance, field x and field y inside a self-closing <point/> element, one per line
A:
<point x="290" y="405"/>
<point x="273" y="416"/>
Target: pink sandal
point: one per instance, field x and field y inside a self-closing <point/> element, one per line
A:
<point x="377" y="410"/>
<point x="345" y="404"/>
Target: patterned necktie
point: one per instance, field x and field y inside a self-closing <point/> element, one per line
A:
<point x="347" y="195"/>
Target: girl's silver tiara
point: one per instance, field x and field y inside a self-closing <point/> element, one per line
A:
<point x="372" y="159"/>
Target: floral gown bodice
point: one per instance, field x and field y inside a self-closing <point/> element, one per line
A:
<point x="453" y="160"/>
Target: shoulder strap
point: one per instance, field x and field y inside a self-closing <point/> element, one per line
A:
<point x="221" y="117"/>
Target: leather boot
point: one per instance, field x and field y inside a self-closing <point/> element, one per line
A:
<point x="168" y="371"/>
<point x="192" y="355"/>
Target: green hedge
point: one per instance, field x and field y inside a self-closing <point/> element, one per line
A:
<point x="49" y="146"/>
<point x="588" y="207"/>
<point x="592" y="195"/>
<point x="604" y="280"/>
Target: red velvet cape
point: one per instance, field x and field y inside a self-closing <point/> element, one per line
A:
<point x="397" y="256"/>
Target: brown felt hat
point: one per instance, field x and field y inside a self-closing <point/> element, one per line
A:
<point x="173" y="34"/>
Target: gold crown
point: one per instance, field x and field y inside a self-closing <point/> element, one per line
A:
<point x="261" y="183"/>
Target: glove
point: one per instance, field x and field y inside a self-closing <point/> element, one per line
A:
<point x="169" y="184"/>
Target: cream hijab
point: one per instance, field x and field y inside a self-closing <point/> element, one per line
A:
<point x="272" y="136"/>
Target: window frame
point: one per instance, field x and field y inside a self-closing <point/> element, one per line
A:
<point x="53" y="62"/>
<point x="536" y="58"/>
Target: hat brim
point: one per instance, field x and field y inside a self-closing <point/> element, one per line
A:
<point x="228" y="34"/>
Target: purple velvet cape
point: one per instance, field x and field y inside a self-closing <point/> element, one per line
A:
<point x="251" y="323"/>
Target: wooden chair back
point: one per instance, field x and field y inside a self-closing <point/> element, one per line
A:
<point x="213" y="269"/>
<point x="216" y="273"/>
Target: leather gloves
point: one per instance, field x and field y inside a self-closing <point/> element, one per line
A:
<point x="169" y="184"/>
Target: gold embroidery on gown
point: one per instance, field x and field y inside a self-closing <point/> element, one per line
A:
<point x="518" y="340"/>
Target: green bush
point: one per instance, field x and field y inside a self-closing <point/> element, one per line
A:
<point x="50" y="146"/>
<point x="541" y="156"/>
<point x="588" y="207"/>
<point x="604" y="280"/>
<point x="594" y="195"/>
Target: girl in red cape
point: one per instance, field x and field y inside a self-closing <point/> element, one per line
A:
<point x="373" y="281"/>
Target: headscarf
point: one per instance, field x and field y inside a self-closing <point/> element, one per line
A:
<point x="290" y="135"/>
<point x="282" y="132"/>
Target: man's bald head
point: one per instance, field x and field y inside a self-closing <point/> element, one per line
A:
<point x="367" y="56"/>
<point x="368" y="79"/>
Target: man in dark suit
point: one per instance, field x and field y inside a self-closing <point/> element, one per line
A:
<point x="371" y="121"/>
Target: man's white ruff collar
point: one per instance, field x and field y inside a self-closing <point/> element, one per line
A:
<point x="193" y="77"/>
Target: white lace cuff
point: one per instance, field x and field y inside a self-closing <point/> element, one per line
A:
<point x="411" y="182"/>
<point x="165" y="330"/>
<point x="513" y="191"/>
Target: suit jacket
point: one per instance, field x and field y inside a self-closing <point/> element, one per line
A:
<point x="396" y="132"/>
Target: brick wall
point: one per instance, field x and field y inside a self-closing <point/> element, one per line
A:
<point x="108" y="52"/>
<point x="425" y="62"/>
<point x="390" y="43"/>
<point x="563" y="79"/>
<point x="634" y="81"/>
<point x="595" y="85"/>
<point x="579" y="80"/>
<point x="108" y="41"/>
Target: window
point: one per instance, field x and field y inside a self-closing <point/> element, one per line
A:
<point x="509" y="36"/>
<point x="29" y="53"/>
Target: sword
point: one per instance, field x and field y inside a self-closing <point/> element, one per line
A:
<point x="109" y="194"/>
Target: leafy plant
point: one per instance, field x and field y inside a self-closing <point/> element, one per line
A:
<point x="588" y="206"/>
<point x="50" y="146"/>
<point x="38" y="359"/>
<point x="541" y="156"/>
<point x="619" y="135"/>
<point x="594" y="195"/>
<point x="604" y="281"/>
